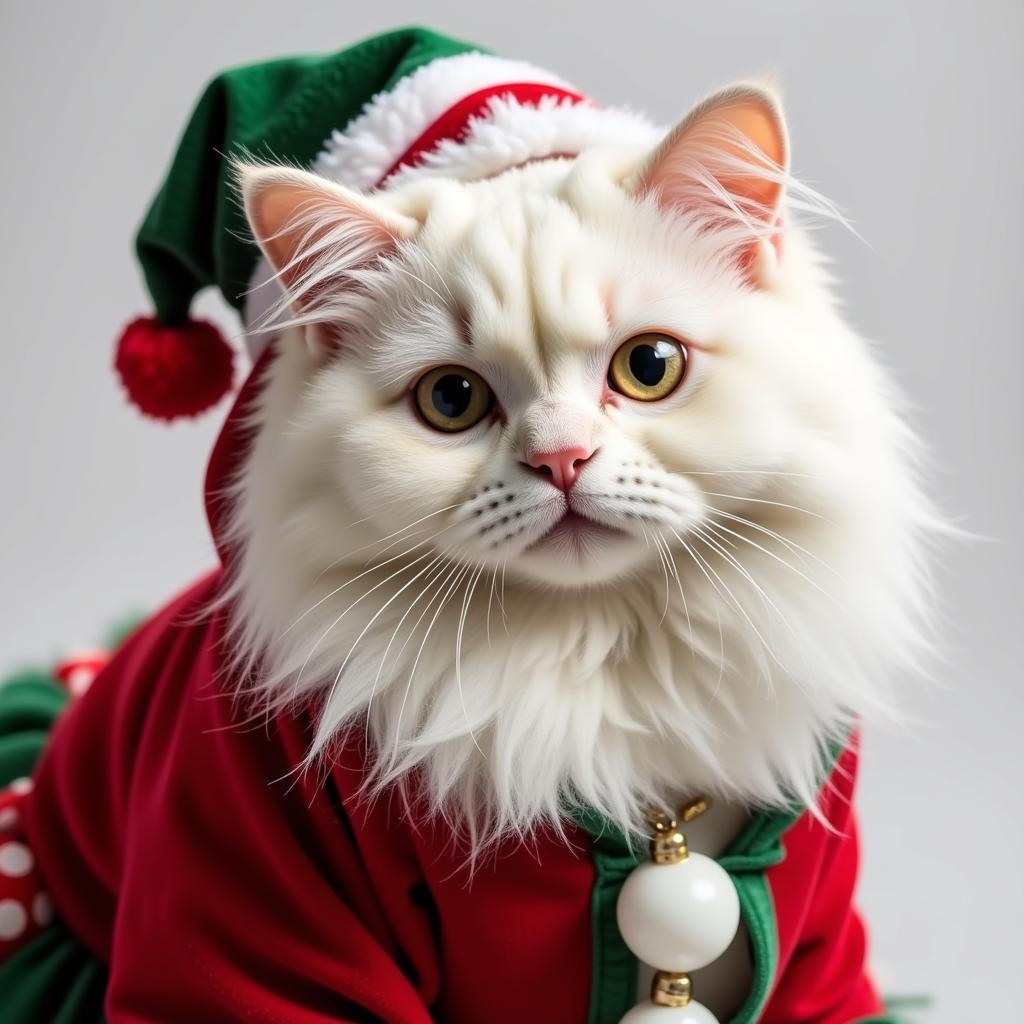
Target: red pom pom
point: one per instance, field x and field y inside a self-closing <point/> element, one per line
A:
<point x="174" y="371"/>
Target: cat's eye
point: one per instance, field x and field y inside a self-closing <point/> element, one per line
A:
<point x="648" y="367"/>
<point x="452" y="398"/>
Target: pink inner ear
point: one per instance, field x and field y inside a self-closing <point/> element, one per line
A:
<point x="728" y="140"/>
<point x="759" y="127"/>
<point x="727" y="161"/>
<point x="313" y="232"/>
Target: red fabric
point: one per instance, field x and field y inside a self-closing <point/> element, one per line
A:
<point x="230" y="450"/>
<point x="822" y="948"/>
<point x="218" y="885"/>
<point x="454" y="123"/>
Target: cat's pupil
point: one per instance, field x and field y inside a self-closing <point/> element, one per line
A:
<point x="451" y="395"/>
<point x="647" y="365"/>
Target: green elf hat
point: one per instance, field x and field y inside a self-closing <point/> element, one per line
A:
<point x="195" y="234"/>
<point x="410" y="102"/>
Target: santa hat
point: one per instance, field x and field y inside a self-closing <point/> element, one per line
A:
<point x="195" y="235"/>
<point x="407" y="102"/>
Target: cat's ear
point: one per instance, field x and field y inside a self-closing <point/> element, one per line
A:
<point x="315" y="232"/>
<point x="728" y="160"/>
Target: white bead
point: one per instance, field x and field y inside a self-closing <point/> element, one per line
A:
<point x="649" y="1013"/>
<point x="13" y="919"/>
<point x="15" y="859"/>
<point x="679" y="917"/>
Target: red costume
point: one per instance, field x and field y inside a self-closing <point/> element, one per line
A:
<point x="185" y="853"/>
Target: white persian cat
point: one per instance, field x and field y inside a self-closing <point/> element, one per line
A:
<point x="579" y="488"/>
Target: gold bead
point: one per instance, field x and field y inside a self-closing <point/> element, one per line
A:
<point x="671" y="988"/>
<point x="694" y="809"/>
<point x="669" y="847"/>
<point x="659" y="820"/>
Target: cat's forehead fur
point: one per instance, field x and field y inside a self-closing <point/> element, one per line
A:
<point x="545" y="262"/>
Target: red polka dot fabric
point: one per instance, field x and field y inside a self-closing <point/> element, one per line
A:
<point x="25" y="905"/>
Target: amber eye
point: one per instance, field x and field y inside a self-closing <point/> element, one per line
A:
<point x="452" y="398"/>
<point x="647" y="367"/>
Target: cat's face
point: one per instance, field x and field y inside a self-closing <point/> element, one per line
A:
<point x="554" y="383"/>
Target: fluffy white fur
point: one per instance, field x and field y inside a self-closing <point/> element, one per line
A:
<point x="363" y="152"/>
<point x="768" y="578"/>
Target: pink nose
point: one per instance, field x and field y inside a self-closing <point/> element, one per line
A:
<point x="562" y="468"/>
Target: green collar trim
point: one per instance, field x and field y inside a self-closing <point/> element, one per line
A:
<point x="757" y="847"/>
<point x="613" y="989"/>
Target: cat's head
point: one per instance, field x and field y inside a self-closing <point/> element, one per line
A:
<point x="535" y="371"/>
<point x="610" y="393"/>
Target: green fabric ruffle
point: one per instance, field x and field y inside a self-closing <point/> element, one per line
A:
<point x="54" y="979"/>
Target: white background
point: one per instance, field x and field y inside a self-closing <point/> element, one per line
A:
<point x="907" y="114"/>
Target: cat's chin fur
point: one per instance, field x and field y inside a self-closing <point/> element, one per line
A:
<point x="616" y="694"/>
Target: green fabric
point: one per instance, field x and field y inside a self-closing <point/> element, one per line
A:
<point x="613" y="977"/>
<point x="886" y="1018"/>
<point x="900" y="1010"/>
<point x="53" y="979"/>
<point x="195" y="232"/>
<point x="29" y="702"/>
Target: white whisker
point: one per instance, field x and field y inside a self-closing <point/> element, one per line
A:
<point x="355" y="579"/>
<point x="470" y="587"/>
<point x="797" y="549"/>
<point x="664" y="569"/>
<point x="715" y="545"/>
<point x="721" y="636"/>
<point x="718" y="527"/>
<point x="439" y="566"/>
<point x="490" y="599"/>
<point x="451" y="582"/>
<point x="765" y="597"/>
<point x="739" y="607"/>
<point x="752" y="472"/>
<point x="764" y="501"/>
<point x="376" y="615"/>
<point x="358" y="600"/>
<point x="671" y="562"/>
